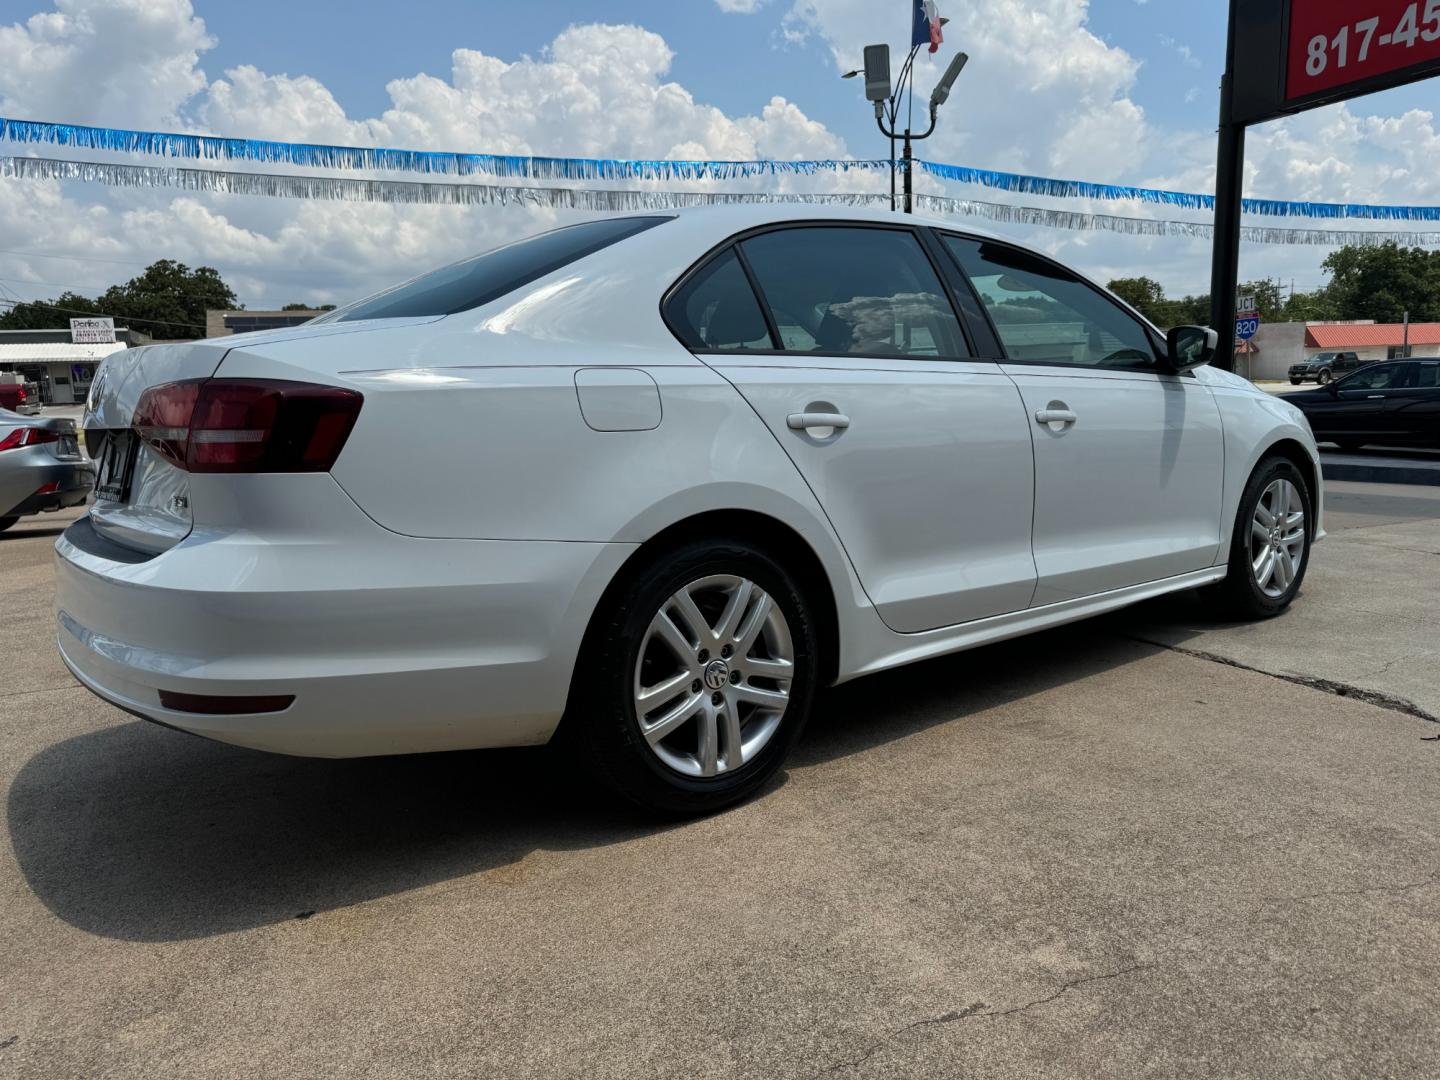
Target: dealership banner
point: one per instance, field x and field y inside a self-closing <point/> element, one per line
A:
<point x="522" y="167"/>
<point x="616" y="200"/>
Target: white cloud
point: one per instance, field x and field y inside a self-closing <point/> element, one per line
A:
<point x="1042" y="94"/>
<point x="739" y="7"/>
<point x="74" y="64"/>
<point x="596" y="91"/>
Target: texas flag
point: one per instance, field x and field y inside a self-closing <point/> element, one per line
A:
<point x="926" y="26"/>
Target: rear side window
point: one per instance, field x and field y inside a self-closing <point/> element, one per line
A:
<point x="716" y="310"/>
<point x="842" y="290"/>
<point x="473" y="282"/>
<point x="1427" y="376"/>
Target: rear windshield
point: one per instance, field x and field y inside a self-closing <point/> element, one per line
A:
<point x="473" y="282"/>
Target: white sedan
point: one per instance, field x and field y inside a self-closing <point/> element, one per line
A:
<point x="642" y="485"/>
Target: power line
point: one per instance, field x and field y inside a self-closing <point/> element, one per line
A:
<point x="99" y="314"/>
<point x="266" y="271"/>
<point x="100" y="289"/>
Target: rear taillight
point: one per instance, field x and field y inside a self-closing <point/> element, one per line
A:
<point x="247" y="425"/>
<point x="28" y="436"/>
<point x="24" y="397"/>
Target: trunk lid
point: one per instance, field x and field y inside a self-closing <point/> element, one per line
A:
<point x="141" y="500"/>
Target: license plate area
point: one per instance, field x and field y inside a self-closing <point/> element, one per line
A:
<point x="116" y="467"/>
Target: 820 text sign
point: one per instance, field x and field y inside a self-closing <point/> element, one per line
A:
<point x="1334" y="43"/>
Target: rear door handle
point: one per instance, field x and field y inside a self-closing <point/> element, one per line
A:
<point x="1055" y="416"/>
<point x="804" y="421"/>
<point x="1376" y="397"/>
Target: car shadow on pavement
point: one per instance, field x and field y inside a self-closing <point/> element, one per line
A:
<point x="19" y="532"/>
<point x="139" y="833"/>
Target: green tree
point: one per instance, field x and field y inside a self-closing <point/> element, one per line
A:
<point x="1145" y="295"/>
<point x="49" y="315"/>
<point x="171" y="298"/>
<point x="167" y="301"/>
<point x="1383" y="282"/>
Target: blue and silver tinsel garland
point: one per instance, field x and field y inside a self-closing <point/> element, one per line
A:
<point x="407" y="192"/>
<point x="517" y="166"/>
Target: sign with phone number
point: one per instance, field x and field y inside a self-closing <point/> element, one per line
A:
<point x="1334" y="43"/>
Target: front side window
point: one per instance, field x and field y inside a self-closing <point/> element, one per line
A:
<point x="479" y="280"/>
<point x="1375" y="377"/>
<point x="837" y="290"/>
<point x="716" y="310"/>
<point x="1046" y="315"/>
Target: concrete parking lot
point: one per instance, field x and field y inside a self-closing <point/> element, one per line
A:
<point x="1149" y="846"/>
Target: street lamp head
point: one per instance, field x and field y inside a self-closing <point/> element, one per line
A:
<point x="852" y="74"/>
<point x="941" y="93"/>
<point x="877" y="72"/>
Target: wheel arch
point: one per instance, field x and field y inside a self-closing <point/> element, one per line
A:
<point x="764" y="531"/>
<point x="1294" y="451"/>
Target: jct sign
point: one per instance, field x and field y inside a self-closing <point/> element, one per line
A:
<point x="1336" y="43"/>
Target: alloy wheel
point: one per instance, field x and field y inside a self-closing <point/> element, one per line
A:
<point x="713" y="675"/>
<point x="1277" y="538"/>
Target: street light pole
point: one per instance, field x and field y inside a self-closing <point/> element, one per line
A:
<point x="887" y="106"/>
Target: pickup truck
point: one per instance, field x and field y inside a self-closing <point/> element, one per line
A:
<point x="19" y="397"/>
<point x="1325" y="367"/>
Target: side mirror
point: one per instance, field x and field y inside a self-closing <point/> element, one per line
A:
<point x="1190" y="347"/>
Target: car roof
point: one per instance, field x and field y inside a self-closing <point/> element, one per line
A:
<point x="741" y="216"/>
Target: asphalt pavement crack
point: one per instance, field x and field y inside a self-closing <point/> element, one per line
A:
<point x="72" y="685"/>
<point x="1068" y="987"/>
<point x="978" y="1010"/>
<point x="1326" y="894"/>
<point x="1378" y="698"/>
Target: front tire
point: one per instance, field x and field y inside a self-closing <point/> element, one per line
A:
<point x="697" y="679"/>
<point x="1270" y="548"/>
<point x="1325" y="377"/>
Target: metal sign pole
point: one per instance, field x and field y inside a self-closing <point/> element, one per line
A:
<point x="1229" y="180"/>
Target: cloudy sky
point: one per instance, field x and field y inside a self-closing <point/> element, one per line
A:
<point x="1109" y="90"/>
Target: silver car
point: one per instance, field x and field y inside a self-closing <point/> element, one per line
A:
<point x="41" y="467"/>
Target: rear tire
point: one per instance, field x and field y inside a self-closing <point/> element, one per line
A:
<point x="1325" y="377"/>
<point x="691" y="723"/>
<point x="6" y="522"/>
<point x="1270" y="548"/>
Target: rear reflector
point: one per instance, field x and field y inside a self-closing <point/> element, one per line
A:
<point x="28" y="436"/>
<point x="48" y="489"/>
<point x="224" y="706"/>
<point x="247" y="425"/>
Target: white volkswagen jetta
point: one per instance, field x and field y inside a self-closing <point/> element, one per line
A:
<point x="662" y="477"/>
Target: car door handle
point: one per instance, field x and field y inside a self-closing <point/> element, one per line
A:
<point x="804" y="421"/>
<point x="1376" y="397"/>
<point x="1055" y="415"/>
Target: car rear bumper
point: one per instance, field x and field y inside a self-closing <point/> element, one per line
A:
<point x="70" y="484"/>
<point x="387" y="644"/>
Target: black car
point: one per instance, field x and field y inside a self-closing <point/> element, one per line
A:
<point x="1395" y="403"/>
<point x="1325" y="367"/>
